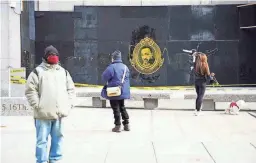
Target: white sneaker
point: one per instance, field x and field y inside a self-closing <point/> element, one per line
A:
<point x="195" y="112"/>
<point x="198" y="113"/>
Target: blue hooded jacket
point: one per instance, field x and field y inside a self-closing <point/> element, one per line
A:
<point x="113" y="76"/>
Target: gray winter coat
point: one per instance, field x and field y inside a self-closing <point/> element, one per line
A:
<point x="51" y="93"/>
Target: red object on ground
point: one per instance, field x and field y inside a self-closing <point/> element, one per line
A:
<point x="232" y="104"/>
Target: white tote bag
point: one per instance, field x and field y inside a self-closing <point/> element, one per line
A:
<point x="116" y="91"/>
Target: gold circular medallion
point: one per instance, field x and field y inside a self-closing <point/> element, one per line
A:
<point x="147" y="57"/>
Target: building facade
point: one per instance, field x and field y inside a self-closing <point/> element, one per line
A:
<point x="86" y="32"/>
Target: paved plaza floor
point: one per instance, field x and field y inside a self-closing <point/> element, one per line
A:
<point x="157" y="136"/>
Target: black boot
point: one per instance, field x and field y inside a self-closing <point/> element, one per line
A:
<point x="127" y="127"/>
<point x="117" y="128"/>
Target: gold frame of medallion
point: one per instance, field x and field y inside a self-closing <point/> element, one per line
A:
<point x="147" y="42"/>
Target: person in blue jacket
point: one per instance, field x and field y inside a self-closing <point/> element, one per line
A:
<point x="113" y="77"/>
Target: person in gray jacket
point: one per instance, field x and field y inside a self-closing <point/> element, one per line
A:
<point x="50" y="92"/>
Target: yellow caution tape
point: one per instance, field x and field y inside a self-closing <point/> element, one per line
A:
<point x="209" y="87"/>
<point x="18" y="81"/>
<point x="17" y="70"/>
<point x="21" y="80"/>
<point x="17" y="77"/>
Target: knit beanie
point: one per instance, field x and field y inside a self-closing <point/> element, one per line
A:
<point x="50" y="50"/>
<point x="116" y="55"/>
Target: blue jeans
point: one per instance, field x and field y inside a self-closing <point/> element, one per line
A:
<point x="44" y="128"/>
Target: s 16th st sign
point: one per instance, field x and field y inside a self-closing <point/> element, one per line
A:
<point x="15" y="107"/>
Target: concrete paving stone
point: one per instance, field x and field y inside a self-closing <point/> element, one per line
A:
<point x="210" y="126"/>
<point x="76" y="148"/>
<point x="140" y="124"/>
<point x="253" y="143"/>
<point x="18" y="123"/>
<point x="235" y="128"/>
<point x="195" y="128"/>
<point x="235" y="152"/>
<point x="18" y="147"/>
<point x="92" y="151"/>
<point x="253" y="113"/>
<point x="88" y="137"/>
<point x="127" y="152"/>
<point x="165" y="126"/>
<point x="89" y="119"/>
<point x="181" y="151"/>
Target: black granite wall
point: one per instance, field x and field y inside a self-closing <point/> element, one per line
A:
<point x="28" y="36"/>
<point x="57" y="29"/>
<point x="247" y="68"/>
<point x="87" y="36"/>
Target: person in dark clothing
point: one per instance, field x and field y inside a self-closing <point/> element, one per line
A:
<point x="117" y="74"/>
<point x="118" y="107"/>
<point x="202" y="75"/>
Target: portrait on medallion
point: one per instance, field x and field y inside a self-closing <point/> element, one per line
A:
<point x="147" y="57"/>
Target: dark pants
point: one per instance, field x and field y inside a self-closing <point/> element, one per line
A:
<point x="118" y="107"/>
<point x="200" y="90"/>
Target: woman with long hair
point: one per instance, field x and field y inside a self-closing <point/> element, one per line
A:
<point x="202" y="75"/>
